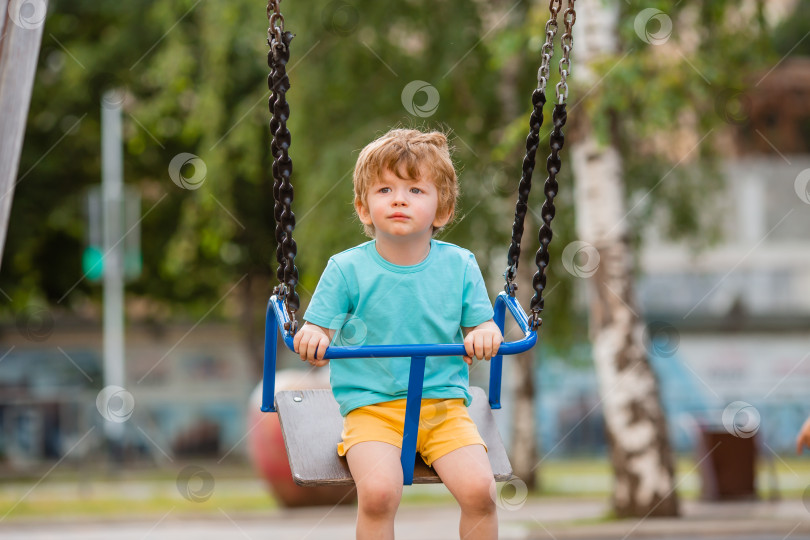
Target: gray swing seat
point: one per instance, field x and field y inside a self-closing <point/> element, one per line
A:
<point x="311" y="425"/>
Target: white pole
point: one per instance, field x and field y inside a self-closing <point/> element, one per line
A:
<point x="21" y="25"/>
<point x="112" y="165"/>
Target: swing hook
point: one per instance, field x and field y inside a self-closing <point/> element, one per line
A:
<point x="509" y="275"/>
<point x="535" y="321"/>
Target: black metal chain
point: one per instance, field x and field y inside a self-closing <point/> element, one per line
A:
<point x="553" y="163"/>
<point x="532" y="141"/>
<point x="525" y="186"/>
<point x="279" y="84"/>
<point x="556" y="139"/>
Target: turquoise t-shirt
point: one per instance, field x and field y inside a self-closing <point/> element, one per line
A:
<point x="370" y="301"/>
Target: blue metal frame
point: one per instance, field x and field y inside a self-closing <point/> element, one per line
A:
<point x="277" y="317"/>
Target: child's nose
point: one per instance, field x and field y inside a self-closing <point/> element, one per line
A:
<point x="400" y="197"/>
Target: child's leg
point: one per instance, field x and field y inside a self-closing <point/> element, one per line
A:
<point x="468" y="475"/>
<point x="377" y="472"/>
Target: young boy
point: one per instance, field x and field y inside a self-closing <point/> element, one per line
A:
<point x="404" y="287"/>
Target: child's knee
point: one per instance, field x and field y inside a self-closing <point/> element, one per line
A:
<point x="379" y="497"/>
<point x="478" y="495"/>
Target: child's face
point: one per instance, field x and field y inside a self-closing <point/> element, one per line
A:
<point x="402" y="209"/>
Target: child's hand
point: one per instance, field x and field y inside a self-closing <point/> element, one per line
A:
<point x="310" y="342"/>
<point x="482" y="342"/>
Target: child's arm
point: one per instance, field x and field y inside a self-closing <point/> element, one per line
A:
<point x="803" y="439"/>
<point x="482" y="341"/>
<point x="310" y="343"/>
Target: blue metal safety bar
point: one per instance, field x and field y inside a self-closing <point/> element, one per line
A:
<point x="277" y="316"/>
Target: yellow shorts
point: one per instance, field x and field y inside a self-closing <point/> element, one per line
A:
<point x="444" y="426"/>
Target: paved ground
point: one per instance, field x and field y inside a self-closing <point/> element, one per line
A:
<point x="537" y="519"/>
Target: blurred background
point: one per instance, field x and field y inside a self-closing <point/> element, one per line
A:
<point x="706" y="104"/>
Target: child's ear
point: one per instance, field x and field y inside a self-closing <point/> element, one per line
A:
<point x="442" y="219"/>
<point x="362" y="212"/>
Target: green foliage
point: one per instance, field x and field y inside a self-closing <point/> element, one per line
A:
<point x="195" y="78"/>
<point x="664" y="105"/>
<point x="791" y="36"/>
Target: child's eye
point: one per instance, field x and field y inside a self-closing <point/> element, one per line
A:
<point x="416" y="190"/>
<point x="384" y="190"/>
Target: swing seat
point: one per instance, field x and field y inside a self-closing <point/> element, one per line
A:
<point x="311" y="425"/>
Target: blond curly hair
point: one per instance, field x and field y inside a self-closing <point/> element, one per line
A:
<point x="408" y="153"/>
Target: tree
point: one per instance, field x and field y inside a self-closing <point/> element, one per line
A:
<point x="633" y="100"/>
<point x="195" y="80"/>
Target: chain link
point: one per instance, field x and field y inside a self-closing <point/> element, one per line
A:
<point x="276" y="19"/>
<point x="279" y="84"/>
<point x="547" y="50"/>
<point x="567" y="44"/>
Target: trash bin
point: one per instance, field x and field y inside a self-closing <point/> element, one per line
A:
<point x="727" y="464"/>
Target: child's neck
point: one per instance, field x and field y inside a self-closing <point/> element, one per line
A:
<point x="403" y="252"/>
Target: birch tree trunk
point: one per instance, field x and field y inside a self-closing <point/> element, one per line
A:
<point x="635" y="424"/>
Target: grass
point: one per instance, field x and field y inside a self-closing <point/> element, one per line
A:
<point x="133" y="493"/>
<point x="115" y="507"/>
<point x="593" y="477"/>
<point x="154" y="493"/>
